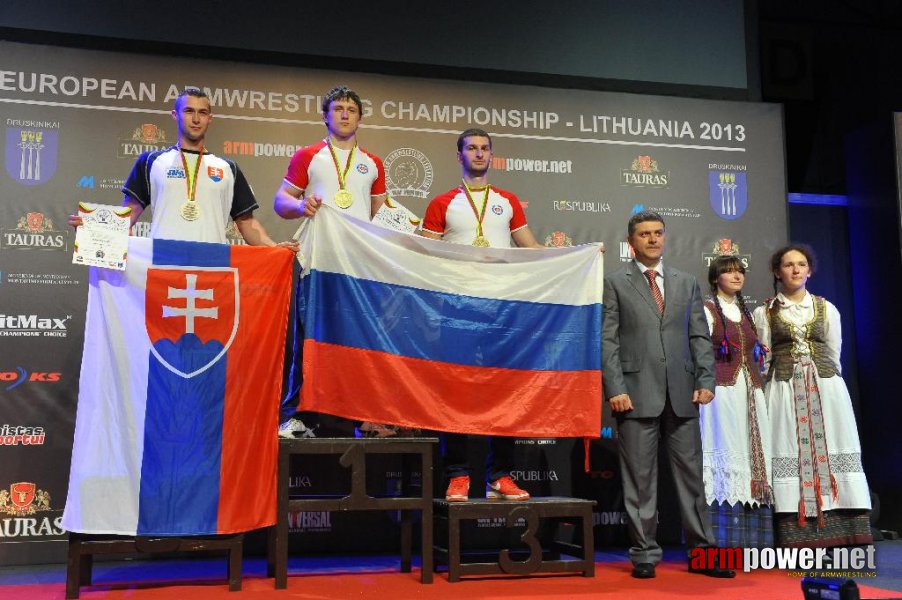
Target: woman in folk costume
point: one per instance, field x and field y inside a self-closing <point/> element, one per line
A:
<point x="821" y="495"/>
<point x="735" y="427"/>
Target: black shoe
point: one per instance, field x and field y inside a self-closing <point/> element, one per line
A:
<point x="644" y="571"/>
<point x="715" y="571"/>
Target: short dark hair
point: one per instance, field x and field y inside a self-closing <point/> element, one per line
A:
<point x="721" y="265"/>
<point x="191" y="91"/>
<point x="471" y="133"/>
<point x="642" y="217"/>
<point x="341" y="92"/>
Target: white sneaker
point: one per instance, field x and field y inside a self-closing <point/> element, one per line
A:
<point x="294" y="428"/>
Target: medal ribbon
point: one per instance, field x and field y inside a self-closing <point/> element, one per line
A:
<point x="342" y="176"/>
<point x="480" y="216"/>
<point x="191" y="178"/>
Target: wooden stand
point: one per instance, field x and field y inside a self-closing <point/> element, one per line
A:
<point x="531" y="511"/>
<point x="82" y="549"/>
<point x="353" y="453"/>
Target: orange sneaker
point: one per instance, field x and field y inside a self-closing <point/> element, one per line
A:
<point x="458" y="489"/>
<point x="504" y="488"/>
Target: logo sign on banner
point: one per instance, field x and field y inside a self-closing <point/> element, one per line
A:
<point x="644" y="172"/>
<point x="142" y="138"/>
<point x="728" y="193"/>
<point x="408" y="173"/>
<point x="31" y="154"/>
<point x="726" y="247"/>
<point x="34" y="231"/>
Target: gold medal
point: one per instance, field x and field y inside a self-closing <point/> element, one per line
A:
<point x="481" y="242"/>
<point x="343" y="199"/>
<point x="189" y="211"/>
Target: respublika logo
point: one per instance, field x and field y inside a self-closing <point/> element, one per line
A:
<point x="728" y="193"/>
<point x="838" y="562"/>
<point x="408" y="173"/>
<point x="582" y="206"/>
<point x="31" y="149"/>
<point x="15" y="435"/>
<point x="34" y="231"/>
<point x="33" y="326"/>
<point x="10" y="380"/>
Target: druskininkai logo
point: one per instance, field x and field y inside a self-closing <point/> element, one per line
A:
<point x="31" y="154"/>
<point x="728" y="193"/>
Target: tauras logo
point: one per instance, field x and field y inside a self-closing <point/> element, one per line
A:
<point x="34" y="230"/>
<point x="15" y="527"/>
<point x="12" y="435"/>
<point x="535" y="475"/>
<point x="32" y="326"/>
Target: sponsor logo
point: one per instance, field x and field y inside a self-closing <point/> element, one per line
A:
<point x="496" y="208"/>
<point x="535" y="441"/>
<point x="259" y="149"/>
<point x="626" y="252"/>
<point x="362" y="169"/>
<point x="26" y="506"/>
<point x="301" y="481"/>
<point x="13" y="435"/>
<point x="175" y="173"/>
<point x="10" y="380"/>
<point x="728" y="193"/>
<point x="558" y="239"/>
<point x="34" y="230"/>
<point x="532" y="165"/>
<point x="300" y="521"/>
<point x="494" y="522"/>
<point x="31" y="150"/>
<point x="214" y="173"/>
<point x="668" y="211"/>
<point x="32" y="326"/>
<point x="23" y="498"/>
<point x="845" y="562"/>
<point x="111" y="183"/>
<point x="198" y="302"/>
<point x="580" y="206"/>
<point x="609" y="518"/>
<point x="408" y="173"/>
<point x="607" y="433"/>
<point x="535" y="475"/>
<point x="85" y="181"/>
<point x="637" y="208"/>
<point x="644" y="172"/>
<point x="40" y="279"/>
<point x="726" y="247"/>
<point x="143" y="138"/>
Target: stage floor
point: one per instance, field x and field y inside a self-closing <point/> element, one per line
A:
<point x="378" y="577"/>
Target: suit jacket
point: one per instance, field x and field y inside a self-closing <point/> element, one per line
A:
<point x="648" y="355"/>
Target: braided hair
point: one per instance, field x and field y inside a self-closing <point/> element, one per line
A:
<point x="719" y="266"/>
<point x="776" y="259"/>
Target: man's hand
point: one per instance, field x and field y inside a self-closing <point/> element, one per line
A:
<point x="292" y="245"/>
<point x="621" y="403"/>
<point x="601" y="247"/>
<point x="311" y="204"/>
<point x="75" y="220"/>
<point x="702" y="396"/>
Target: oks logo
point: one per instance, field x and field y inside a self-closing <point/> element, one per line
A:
<point x="191" y="316"/>
<point x="10" y="380"/>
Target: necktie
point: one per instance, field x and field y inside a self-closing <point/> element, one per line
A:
<point x="655" y="290"/>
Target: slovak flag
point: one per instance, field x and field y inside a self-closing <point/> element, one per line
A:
<point x="411" y="331"/>
<point x="178" y="401"/>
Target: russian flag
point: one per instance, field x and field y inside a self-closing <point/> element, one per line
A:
<point x="178" y="401"/>
<point x="416" y="332"/>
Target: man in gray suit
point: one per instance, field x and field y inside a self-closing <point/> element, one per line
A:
<point x="658" y="367"/>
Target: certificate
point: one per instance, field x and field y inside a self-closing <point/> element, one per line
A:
<point x="102" y="238"/>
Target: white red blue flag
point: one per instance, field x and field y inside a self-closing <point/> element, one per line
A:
<point x="411" y="331"/>
<point x="179" y="391"/>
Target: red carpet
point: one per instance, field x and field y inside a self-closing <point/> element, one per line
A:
<point x="612" y="580"/>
